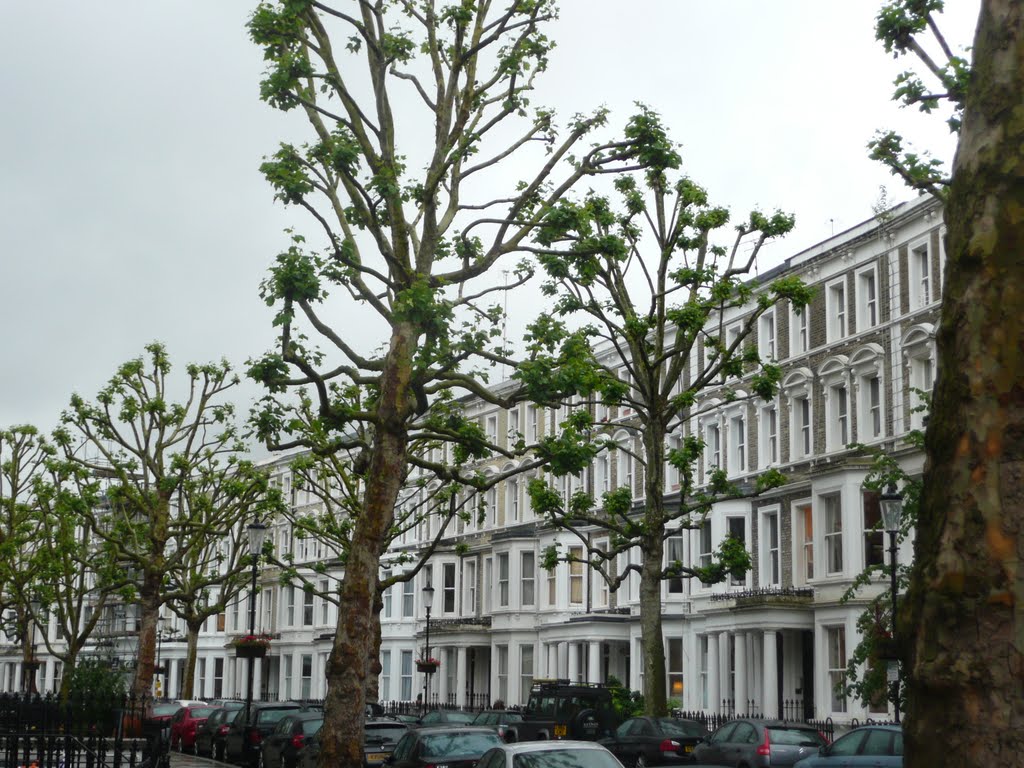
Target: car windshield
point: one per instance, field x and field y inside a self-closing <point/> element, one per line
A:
<point x="383" y="733"/>
<point x="165" y="709"/>
<point x="795" y="737"/>
<point x="566" y="758"/>
<point x="201" y="712"/>
<point x="454" y="743"/>
<point x="673" y="727"/>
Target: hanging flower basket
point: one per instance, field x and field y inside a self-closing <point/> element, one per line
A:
<point x="251" y="646"/>
<point x="428" y="666"/>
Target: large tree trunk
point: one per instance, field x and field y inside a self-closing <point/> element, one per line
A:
<point x="352" y="656"/>
<point x="965" y="607"/>
<point x="149" y="609"/>
<point x="188" y="681"/>
<point x="651" y="632"/>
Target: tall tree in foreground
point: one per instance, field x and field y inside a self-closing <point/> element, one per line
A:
<point x="419" y="117"/>
<point x="963" y="608"/>
<point x="173" y="479"/>
<point x="967" y="590"/>
<point x="656" y="286"/>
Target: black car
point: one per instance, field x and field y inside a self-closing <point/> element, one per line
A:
<point x="455" y="746"/>
<point x="644" y="741"/>
<point x="281" y="746"/>
<point x="380" y="738"/>
<point x="211" y="734"/>
<point x="245" y="735"/>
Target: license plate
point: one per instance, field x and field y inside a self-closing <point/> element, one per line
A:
<point x="688" y="748"/>
<point x="561" y="730"/>
<point x="376" y="757"/>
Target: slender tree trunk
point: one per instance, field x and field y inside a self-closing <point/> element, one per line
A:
<point x="188" y="680"/>
<point x="149" y="609"/>
<point x="70" y="661"/>
<point x="375" y="668"/>
<point x="653" y="547"/>
<point x="965" y="606"/>
<point x="354" y="642"/>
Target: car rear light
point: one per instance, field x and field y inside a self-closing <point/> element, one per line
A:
<point x="297" y="741"/>
<point x="824" y="737"/>
<point x="254" y="736"/>
<point x="765" y="749"/>
<point x="222" y="731"/>
<point x="669" y="746"/>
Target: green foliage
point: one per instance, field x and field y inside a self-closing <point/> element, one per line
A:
<point x="626" y="703"/>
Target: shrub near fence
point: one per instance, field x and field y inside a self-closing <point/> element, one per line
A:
<point x="81" y="732"/>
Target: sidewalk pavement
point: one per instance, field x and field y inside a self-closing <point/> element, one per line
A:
<point x="182" y="760"/>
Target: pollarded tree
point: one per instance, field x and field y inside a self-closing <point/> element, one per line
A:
<point x="963" y="606"/>
<point x="417" y="108"/>
<point x="171" y="473"/>
<point x="23" y="456"/>
<point x="657" y="289"/>
<point x="72" y="578"/>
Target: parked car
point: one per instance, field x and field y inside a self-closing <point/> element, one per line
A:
<point x="210" y="735"/>
<point x="644" y="741"/>
<point x="184" y="723"/>
<point x="559" y="709"/>
<point x="504" y="721"/>
<point x="759" y="743"/>
<point x="281" y="746"/>
<point x="245" y="735"/>
<point x="867" y="746"/>
<point x="549" y="754"/>
<point x="458" y="746"/>
<point x="381" y="737"/>
<point x="442" y="716"/>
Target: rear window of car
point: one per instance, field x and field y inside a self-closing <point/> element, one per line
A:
<point x="671" y="727"/>
<point x="268" y="716"/>
<point x="201" y="712"/>
<point x="310" y="727"/>
<point x="165" y="709"/>
<point x="566" y="758"/>
<point x="451" y="744"/>
<point x="796" y="737"/>
<point x="385" y="732"/>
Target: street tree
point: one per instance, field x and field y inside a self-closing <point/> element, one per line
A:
<point x="170" y="475"/>
<point x="23" y="456"/>
<point x="426" y="167"/>
<point x="963" y="605"/>
<point x="656" y="285"/>
<point x="72" y="578"/>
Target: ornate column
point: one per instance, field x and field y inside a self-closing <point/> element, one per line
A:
<point x="461" y="669"/>
<point x="724" y="668"/>
<point x="594" y="662"/>
<point x="770" y="668"/>
<point x="714" y="681"/>
<point x="573" y="662"/>
<point x="742" y="692"/>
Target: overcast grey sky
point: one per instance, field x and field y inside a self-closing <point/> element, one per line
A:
<point x="131" y="207"/>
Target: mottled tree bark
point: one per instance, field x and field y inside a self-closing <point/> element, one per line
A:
<point x="653" y="547"/>
<point x="355" y="641"/>
<point x="149" y="610"/>
<point x="965" y="607"/>
<point x="188" y="680"/>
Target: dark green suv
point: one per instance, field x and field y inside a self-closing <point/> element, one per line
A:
<point x="560" y="709"/>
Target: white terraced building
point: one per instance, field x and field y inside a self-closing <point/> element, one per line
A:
<point x="775" y="642"/>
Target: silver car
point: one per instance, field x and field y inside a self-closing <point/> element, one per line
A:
<point x="549" y="754"/>
<point x="753" y="743"/>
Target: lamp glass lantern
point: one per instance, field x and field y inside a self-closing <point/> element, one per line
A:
<point x="257" y="535"/>
<point x="892" y="508"/>
<point x="428" y="597"/>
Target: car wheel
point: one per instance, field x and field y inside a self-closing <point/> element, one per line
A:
<point x="640" y="762"/>
<point x="218" y="752"/>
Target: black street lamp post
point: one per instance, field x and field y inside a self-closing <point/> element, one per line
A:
<point x="159" y="670"/>
<point x="257" y="533"/>
<point x="892" y="509"/>
<point x="428" y="603"/>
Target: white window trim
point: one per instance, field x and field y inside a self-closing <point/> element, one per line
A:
<point x="795" y="387"/>
<point x="837" y="318"/>
<point x="764" y="544"/>
<point x="914" y="290"/>
<point x="864" y="301"/>
<point x="799" y="321"/>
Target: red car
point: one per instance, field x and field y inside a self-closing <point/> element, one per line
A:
<point x="184" y="723"/>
